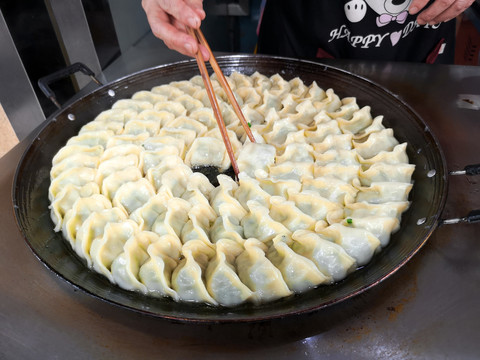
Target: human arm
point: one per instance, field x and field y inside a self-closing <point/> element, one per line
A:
<point x="168" y="20"/>
<point x="439" y="10"/>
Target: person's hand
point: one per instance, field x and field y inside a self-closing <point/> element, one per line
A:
<point x="439" y="11"/>
<point x="168" y="20"/>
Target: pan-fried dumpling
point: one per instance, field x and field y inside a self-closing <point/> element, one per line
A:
<point x="359" y="121"/>
<point x="115" y="126"/>
<point x="117" y="163"/>
<point x="299" y="273"/>
<point x="297" y="171"/>
<point x="342" y="157"/>
<point x="116" y="115"/>
<point x="126" y="266"/>
<point x="115" y="180"/>
<point x="149" y="96"/>
<point x="330" y="258"/>
<point x="78" y="160"/>
<point x="248" y="97"/>
<point x="397" y="156"/>
<point x="92" y="138"/>
<point x="132" y="195"/>
<point x="146" y="215"/>
<point x="187" y="135"/>
<point x="277" y="135"/>
<point x="93" y="227"/>
<point x="259" y="274"/>
<point x="156" y="272"/>
<point x="75" y="176"/>
<point x="175" y="180"/>
<point x="185" y="122"/>
<point x="104" y="250"/>
<point x="332" y="189"/>
<point x="255" y="156"/>
<point x="151" y="158"/>
<point x="305" y="112"/>
<point x="207" y="151"/>
<point x="278" y="187"/>
<point x="79" y="212"/>
<point x="330" y="103"/>
<point x="288" y="214"/>
<point x="161" y="117"/>
<point x="358" y="243"/>
<point x="383" y="172"/>
<point x="122" y="150"/>
<point x="296" y="152"/>
<point x="172" y="220"/>
<point x="249" y="189"/>
<point x="175" y="108"/>
<point x="66" y="198"/>
<point x="222" y="280"/>
<point x="223" y="201"/>
<point x="136" y="139"/>
<point x="345" y="173"/>
<point x="226" y="227"/>
<point x="160" y="142"/>
<point x="188" y="87"/>
<point x="387" y="209"/>
<point x="259" y="224"/>
<point x="189" y="103"/>
<point x="321" y="131"/>
<point x="380" y="227"/>
<point x="334" y="142"/>
<point x="315" y="93"/>
<point x="382" y="192"/>
<point x="154" y="174"/>
<point x="187" y="278"/>
<point x="138" y="126"/>
<point x="346" y="111"/>
<point x="167" y="90"/>
<point x="298" y="88"/>
<point x="137" y="105"/>
<point x="376" y="142"/>
<point x="198" y="190"/>
<point x="375" y="126"/>
<point x="316" y="206"/>
<point x="201" y="218"/>
<point x="71" y="150"/>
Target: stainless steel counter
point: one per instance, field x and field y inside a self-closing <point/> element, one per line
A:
<point x="429" y="309"/>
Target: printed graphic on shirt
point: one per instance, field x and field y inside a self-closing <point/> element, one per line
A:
<point x="387" y="12"/>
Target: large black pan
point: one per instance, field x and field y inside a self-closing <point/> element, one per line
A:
<point x="30" y="191"/>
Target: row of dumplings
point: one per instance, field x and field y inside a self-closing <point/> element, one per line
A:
<point x="319" y="193"/>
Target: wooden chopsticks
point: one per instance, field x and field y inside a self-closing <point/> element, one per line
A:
<point x="224" y="83"/>
<point x="213" y="100"/>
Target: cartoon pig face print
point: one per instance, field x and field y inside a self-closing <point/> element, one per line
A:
<point x="388" y="10"/>
<point x="392" y="7"/>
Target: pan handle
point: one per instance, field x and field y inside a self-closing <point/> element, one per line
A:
<point x="63" y="73"/>
<point x="468" y="170"/>
<point x="474" y="215"/>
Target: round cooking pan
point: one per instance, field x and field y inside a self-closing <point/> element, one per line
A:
<point x="32" y="179"/>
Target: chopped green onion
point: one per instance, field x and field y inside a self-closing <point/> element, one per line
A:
<point x="249" y="124"/>
<point x="349" y="221"/>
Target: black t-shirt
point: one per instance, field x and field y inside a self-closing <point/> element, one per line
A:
<point x="354" y="29"/>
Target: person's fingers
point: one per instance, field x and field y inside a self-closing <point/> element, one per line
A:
<point x="164" y="27"/>
<point x="182" y="12"/>
<point x="197" y="5"/>
<point x="439" y="11"/>
<point x="452" y="11"/>
<point x="416" y="6"/>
